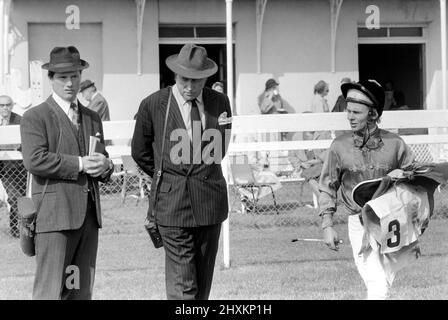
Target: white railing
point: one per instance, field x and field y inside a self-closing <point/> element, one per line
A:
<point x="245" y="126"/>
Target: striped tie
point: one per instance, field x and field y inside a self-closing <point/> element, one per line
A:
<point x="196" y="139"/>
<point x="73" y="114"/>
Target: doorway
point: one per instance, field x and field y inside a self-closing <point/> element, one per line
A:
<point x="216" y="52"/>
<point x="399" y="65"/>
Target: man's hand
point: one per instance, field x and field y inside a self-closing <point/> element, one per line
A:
<point x="95" y="165"/>
<point x="331" y="238"/>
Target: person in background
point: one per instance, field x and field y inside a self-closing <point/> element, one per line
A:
<point x="319" y="102"/>
<point x="270" y="101"/>
<point x="367" y="153"/>
<point x="96" y="101"/>
<point x="12" y="172"/>
<point x="218" y="86"/>
<point x="400" y="101"/>
<point x="341" y="104"/>
<point x="389" y="93"/>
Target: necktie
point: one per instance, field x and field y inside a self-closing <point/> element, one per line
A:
<point x="196" y="138"/>
<point x="73" y="114"/>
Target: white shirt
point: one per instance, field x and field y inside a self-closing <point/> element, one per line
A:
<point x="65" y="106"/>
<point x="319" y="104"/>
<point x="185" y="108"/>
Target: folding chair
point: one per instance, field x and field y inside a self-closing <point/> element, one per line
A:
<point x="131" y="169"/>
<point x="243" y="177"/>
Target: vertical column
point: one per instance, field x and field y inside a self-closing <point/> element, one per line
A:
<point x="443" y="45"/>
<point x="261" y="6"/>
<point x="2" y="45"/>
<point x="335" y="8"/>
<point x="229" y="47"/>
<point x="140" y="14"/>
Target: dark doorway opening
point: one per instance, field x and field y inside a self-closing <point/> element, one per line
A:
<point x="399" y="64"/>
<point x="216" y="52"/>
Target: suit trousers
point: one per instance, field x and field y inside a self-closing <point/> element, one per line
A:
<point x="66" y="261"/>
<point x="190" y="255"/>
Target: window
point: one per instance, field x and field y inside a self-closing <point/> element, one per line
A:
<point x="192" y="31"/>
<point x="387" y="32"/>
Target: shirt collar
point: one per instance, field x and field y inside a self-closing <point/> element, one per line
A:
<point x="182" y="100"/>
<point x="374" y="140"/>
<point x="63" y="104"/>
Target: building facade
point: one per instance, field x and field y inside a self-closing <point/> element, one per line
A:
<point x="298" y="42"/>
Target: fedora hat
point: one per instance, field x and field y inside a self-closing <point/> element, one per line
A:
<point x="65" y="59"/>
<point x="372" y="89"/>
<point x="192" y="62"/>
<point x="86" y="84"/>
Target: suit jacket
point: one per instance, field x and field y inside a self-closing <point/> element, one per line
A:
<point x="65" y="201"/>
<point x="99" y="105"/>
<point x="14" y="119"/>
<point x="189" y="195"/>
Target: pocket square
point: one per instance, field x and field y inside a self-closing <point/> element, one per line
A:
<point x="223" y="119"/>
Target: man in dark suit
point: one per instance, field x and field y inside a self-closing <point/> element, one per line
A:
<point x="192" y="195"/>
<point x="97" y="102"/>
<point x="55" y="146"/>
<point x="12" y="172"/>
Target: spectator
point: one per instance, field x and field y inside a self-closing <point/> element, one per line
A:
<point x="389" y="102"/>
<point x="319" y="103"/>
<point x="12" y="172"/>
<point x="341" y="104"/>
<point x="96" y="101"/>
<point x="218" y="86"/>
<point x="3" y="196"/>
<point x="400" y="101"/>
<point x="270" y="101"/>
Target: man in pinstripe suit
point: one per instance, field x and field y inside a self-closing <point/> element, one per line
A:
<point x="55" y="145"/>
<point x="192" y="197"/>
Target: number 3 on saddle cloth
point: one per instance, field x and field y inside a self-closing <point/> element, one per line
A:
<point x="396" y="212"/>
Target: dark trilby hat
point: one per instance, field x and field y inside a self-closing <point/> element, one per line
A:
<point x="270" y="84"/>
<point x="65" y="59"/>
<point x="371" y="89"/>
<point x="192" y="62"/>
<point x="86" y="84"/>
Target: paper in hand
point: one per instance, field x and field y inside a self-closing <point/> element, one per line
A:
<point x="95" y="145"/>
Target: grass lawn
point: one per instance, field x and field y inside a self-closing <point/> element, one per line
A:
<point x="265" y="264"/>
